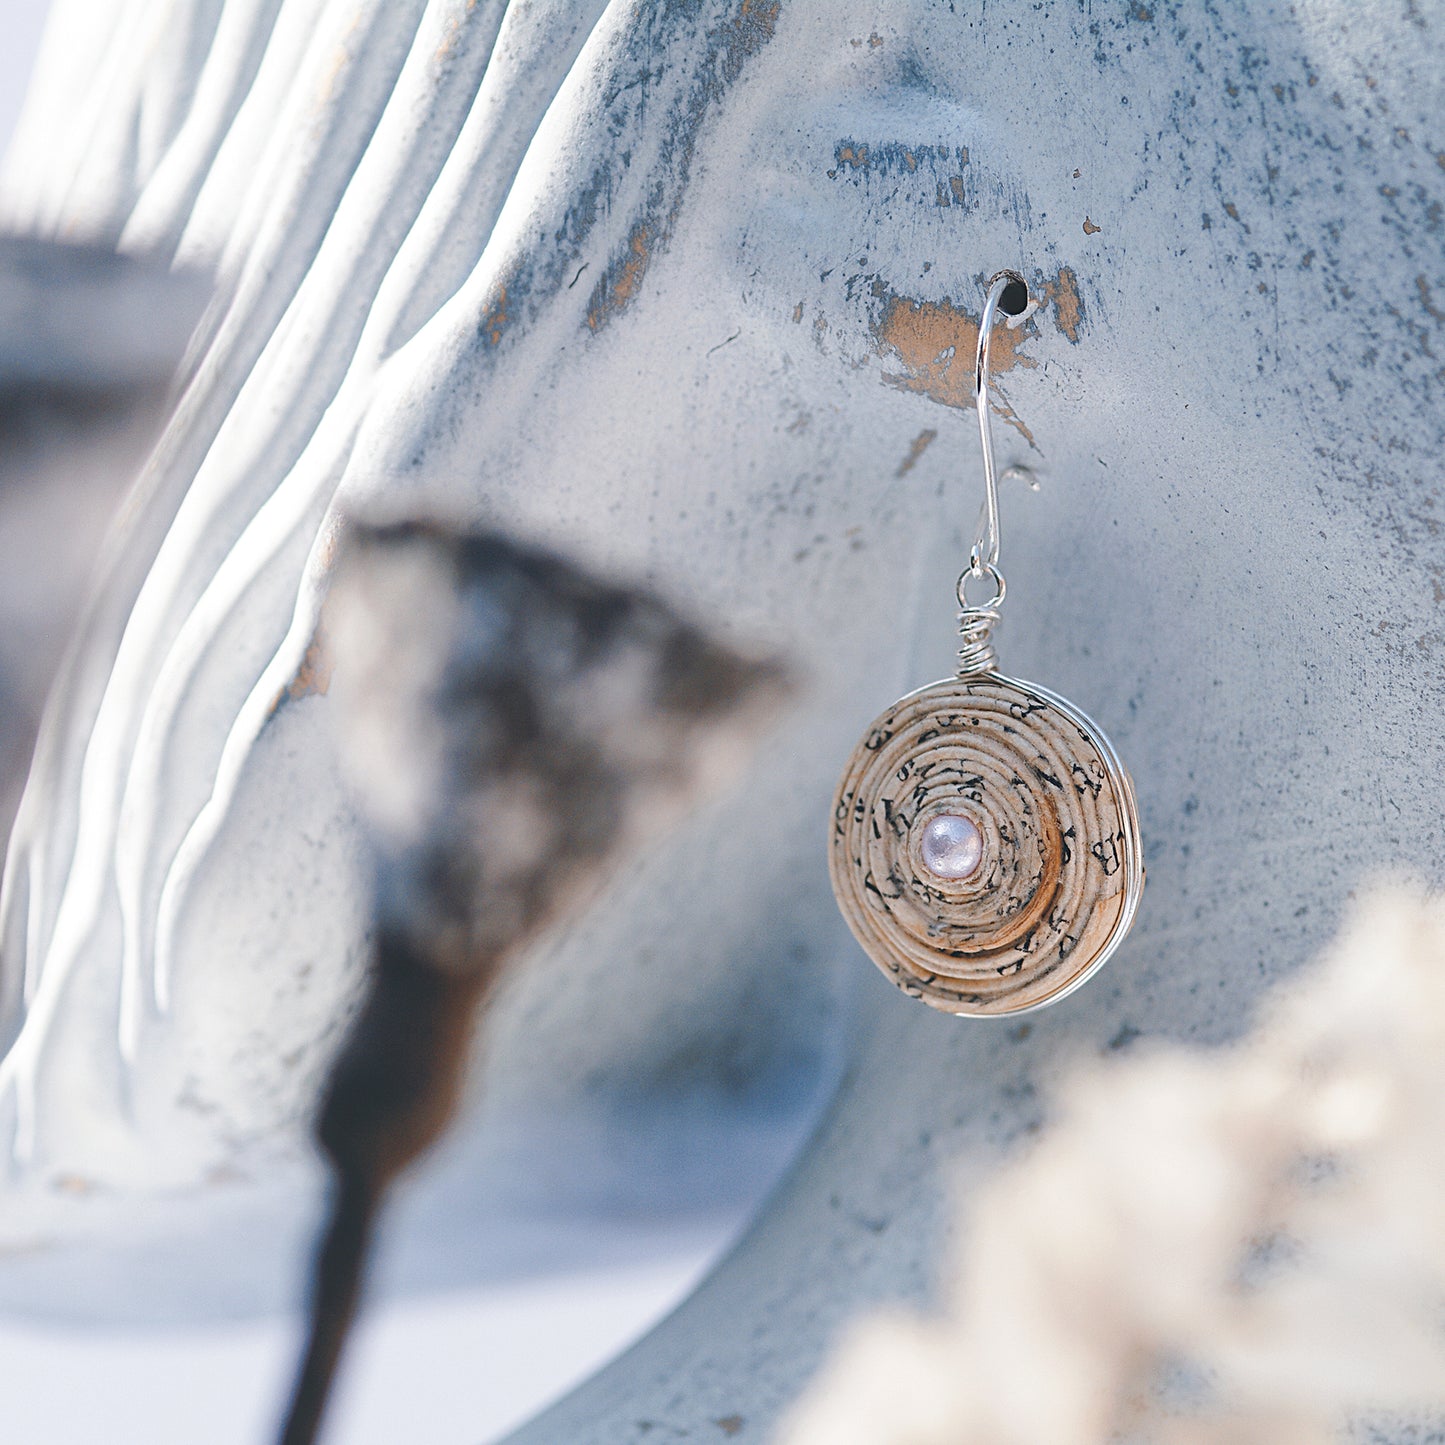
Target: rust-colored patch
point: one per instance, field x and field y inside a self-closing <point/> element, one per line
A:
<point x="314" y="674"/>
<point x="936" y="341"/>
<point x="76" y="1184"/>
<point x="798" y="312"/>
<point x="855" y="156"/>
<point x="920" y="445"/>
<point x="616" y="289"/>
<point x="875" y="40"/>
<point x="330" y="544"/>
<point x="341" y="57"/>
<point x="494" y="318"/>
<point x="955" y="184"/>
<point x="761" y="14"/>
<point x="449" y="40"/>
<point x="1063" y="293"/>
<point x="1427" y="300"/>
<point x="730" y="1425"/>
<point x="1090" y="229"/>
<point x="313" y="677"/>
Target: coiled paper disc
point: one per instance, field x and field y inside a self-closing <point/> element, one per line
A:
<point x="985" y="845"/>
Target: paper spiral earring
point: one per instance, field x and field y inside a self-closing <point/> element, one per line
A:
<point x="984" y="844"/>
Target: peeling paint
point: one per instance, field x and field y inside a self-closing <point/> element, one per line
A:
<point x="743" y="35"/>
<point x="449" y="40"/>
<point x="313" y="677"/>
<point x="1427" y="300"/>
<point x="618" y="285"/>
<point x="936" y="341"/>
<point x="74" y="1184"/>
<point x="341" y="58"/>
<point x="920" y="445"/>
<point x="494" y="318"/>
<point x="1063" y="294"/>
<point x="856" y="159"/>
<point x="760" y="14"/>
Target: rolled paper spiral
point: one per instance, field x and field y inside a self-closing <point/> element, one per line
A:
<point x="1060" y="873"/>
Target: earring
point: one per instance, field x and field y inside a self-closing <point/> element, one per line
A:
<point x="985" y="845"/>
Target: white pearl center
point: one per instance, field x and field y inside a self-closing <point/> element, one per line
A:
<point x="952" y="846"/>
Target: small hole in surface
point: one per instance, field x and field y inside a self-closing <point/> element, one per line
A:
<point x="1015" y="298"/>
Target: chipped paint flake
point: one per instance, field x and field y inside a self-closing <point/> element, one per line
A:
<point x="1422" y="285"/>
<point x="761" y="15"/>
<point x="615" y="291"/>
<point x="494" y="318"/>
<point x="1063" y="294"/>
<point x="936" y="341"/>
<point x="313" y="677"/>
<point x="920" y="445"/>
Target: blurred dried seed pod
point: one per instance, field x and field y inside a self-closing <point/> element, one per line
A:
<point x="513" y="728"/>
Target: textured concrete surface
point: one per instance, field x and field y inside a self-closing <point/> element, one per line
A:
<point x="683" y="288"/>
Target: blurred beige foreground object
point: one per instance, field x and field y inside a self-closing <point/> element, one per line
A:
<point x="1242" y="1244"/>
<point x="686" y="289"/>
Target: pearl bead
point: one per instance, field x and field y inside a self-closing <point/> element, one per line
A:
<point x="952" y="846"/>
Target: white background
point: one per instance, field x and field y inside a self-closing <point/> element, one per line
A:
<point x="20" y="23"/>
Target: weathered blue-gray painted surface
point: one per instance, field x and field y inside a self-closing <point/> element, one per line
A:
<point x="684" y="288"/>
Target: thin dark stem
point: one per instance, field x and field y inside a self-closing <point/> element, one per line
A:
<point x="391" y="1093"/>
<point x="340" y="1268"/>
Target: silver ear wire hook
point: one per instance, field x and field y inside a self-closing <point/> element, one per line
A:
<point x="976" y="621"/>
<point x="985" y="548"/>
